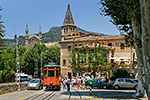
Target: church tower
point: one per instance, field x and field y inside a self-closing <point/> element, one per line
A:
<point x="40" y="34"/>
<point x="68" y="24"/>
<point x="27" y="35"/>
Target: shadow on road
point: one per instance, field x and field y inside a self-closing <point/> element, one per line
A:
<point x="105" y="94"/>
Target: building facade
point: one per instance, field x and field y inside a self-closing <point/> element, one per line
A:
<point x="52" y="44"/>
<point x="32" y="39"/>
<point x="119" y="56"/>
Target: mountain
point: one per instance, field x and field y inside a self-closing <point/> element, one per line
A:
<point x="53" y="35"/>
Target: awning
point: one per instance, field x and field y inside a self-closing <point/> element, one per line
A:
<point x="120" y="67"/>
<point x="113" y="57"/>
<point x="117" y="60"/>
<point x="128" y="67"/>
<point x="124" y="57"/>
<point x="125" y="60"/>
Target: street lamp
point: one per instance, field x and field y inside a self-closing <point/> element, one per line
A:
<point x="17" y="57"/>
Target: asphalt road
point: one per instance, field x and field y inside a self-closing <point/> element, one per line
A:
<point x="95" y="94"/>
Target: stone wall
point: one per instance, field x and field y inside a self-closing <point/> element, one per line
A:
<point x="11" y="87"/>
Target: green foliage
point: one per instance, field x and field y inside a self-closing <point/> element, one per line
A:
<point x="10" y="90"/>
<point x="29" y="57"/>
<point x="2" y="34"/>
<point x="94" y="57"/>
<point x="122" y="12"/>
<point x="1" y="92"/>
<point x="6" y="74"/>
<point x="32" y="57"/>
<point x="7" y="64"/>
<point x="120" y="73"/>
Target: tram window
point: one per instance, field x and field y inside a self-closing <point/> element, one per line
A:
<point x="50" y="67"/>
<point x="57" y="73"/>
<point x="51" y="73"/>
<point x="45" y="73"/>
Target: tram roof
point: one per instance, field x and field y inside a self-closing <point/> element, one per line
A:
<point x="51" y="65"/>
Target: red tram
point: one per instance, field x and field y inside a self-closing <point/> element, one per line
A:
<point x="51" y="74"/>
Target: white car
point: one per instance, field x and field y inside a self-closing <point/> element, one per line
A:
<point x="124" y="83"/>
<point x="35" y="83"/>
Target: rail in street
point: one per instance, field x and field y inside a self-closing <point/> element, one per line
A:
<point x="74" y="94"/>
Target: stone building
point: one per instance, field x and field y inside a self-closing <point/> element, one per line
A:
<point x="31" y="39"/>
<point x="52" y="44"/>
<point x="118" y="53"/>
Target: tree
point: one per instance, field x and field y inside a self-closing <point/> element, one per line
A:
<point x="9" y="58"/>
<point x="94" y="57"/>
<point x="32" y="57"/>
<point x="76" y="59"/>
<point x="54" y="54"/>
<point x="2" y="34"/>
<point x="145" y="20"/>
<point x="120" y="73"/>
<point x="6" y="67"/>
<point x="97" y="58"/>
<point x="126" y="15"/>
<point x="29" y="59"/>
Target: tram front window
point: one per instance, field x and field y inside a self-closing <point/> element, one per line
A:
<point x="45" y="73"/>
<point x="57" y="73"/>
<point x="51" y="73"/>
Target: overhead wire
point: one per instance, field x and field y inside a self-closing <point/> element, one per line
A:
<point x="9" y="35"/>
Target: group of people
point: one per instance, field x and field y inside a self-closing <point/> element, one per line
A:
<point x="79" y="82"/>
<point x="65" y="83"/>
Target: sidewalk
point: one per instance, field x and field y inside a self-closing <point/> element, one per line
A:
<point x="110" y="94"/>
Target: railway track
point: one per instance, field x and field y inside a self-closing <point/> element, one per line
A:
<point x="61" y="95"/>
<point x="45" y="95"/>
<point x="78" y="95"/>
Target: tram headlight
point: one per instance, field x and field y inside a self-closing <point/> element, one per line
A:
<point x="51" y="83"/>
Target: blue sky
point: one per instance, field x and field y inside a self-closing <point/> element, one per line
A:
<point x="51" y="13"/>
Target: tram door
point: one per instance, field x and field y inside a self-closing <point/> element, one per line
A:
<point x="69" y="74"/>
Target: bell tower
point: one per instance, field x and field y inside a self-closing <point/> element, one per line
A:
<point x="27" y="35"/>
<point x="68" y="24"/>
<point x="40" y="34"/>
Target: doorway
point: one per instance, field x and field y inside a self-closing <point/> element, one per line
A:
<point x="69" y="74"/>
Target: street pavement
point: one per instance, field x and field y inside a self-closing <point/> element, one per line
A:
<point x="95" y="94"/>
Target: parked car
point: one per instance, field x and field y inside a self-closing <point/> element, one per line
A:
<point x="23" y="77"/>
<point x="135" y="80"/>
<point x="124" y="83"/>
<point x="98" y="83"/>
<point x="35" y="83"/>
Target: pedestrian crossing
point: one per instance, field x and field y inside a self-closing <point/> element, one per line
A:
<point x="85" y="94"/>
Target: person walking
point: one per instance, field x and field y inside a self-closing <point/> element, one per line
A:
<point x="91" y="83"/>
<point x="68" y="84"/>
<point x="78" y="83"/>
<point x="64" y="84"/>
<point x="83" y="83"/>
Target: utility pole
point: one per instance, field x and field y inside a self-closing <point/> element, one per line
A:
<point x="17" y="58"/>
<point x="133" y="64"/>
<point x="131" y="61"/>
<point x="36" y="64"/>
<point x="41" y="66"/>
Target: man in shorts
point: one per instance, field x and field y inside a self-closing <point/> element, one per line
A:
<point x="91" y="83"/>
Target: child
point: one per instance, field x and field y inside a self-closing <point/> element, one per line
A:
<point x="64" y="84"/>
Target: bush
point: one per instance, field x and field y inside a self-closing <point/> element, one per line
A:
<point x="10" y="90"/>
<point x="1" y="92"/>
<point x="120" y="73"/>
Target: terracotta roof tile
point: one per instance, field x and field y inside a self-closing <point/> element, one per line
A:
<point x="98" y="37"/>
